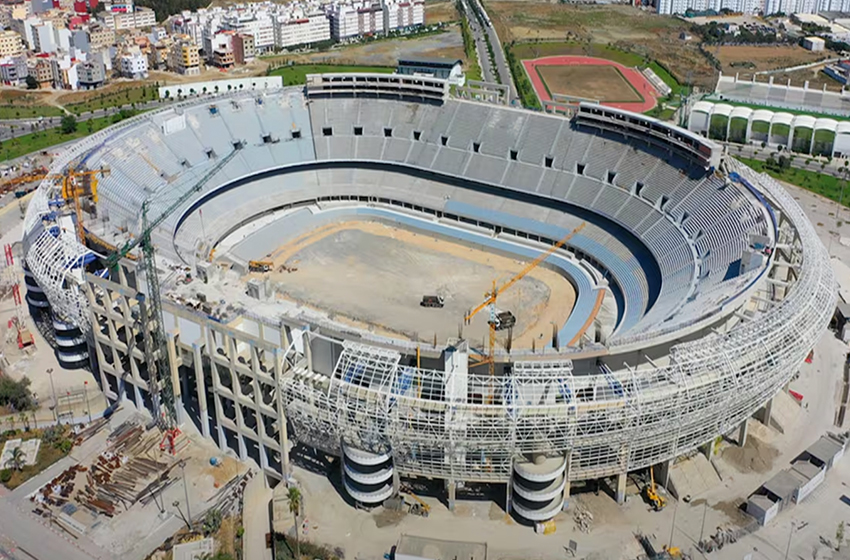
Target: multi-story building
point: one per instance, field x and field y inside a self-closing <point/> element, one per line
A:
<point x="403" y="14"/>
<point x="91" y="74"/>
<point x="44" y="38"/>
<point x="40" y="6"/>
<point x="243" y="48"/>
<point x="10" y="43"/>
<point x="65" y="72"/>
<point x="189" y="23"/>
<point x="790" y="6"/>
<point x="355" y="19"/>
<point x="223" y="58"/>
<point x="158" y="54"/>
<point x="301" y="28"/>
<point x="40" y="69"/>
<point x="133" y="18"/>
<point x="258" y="24"/>
<point x="184" y="57"/>
<point x="133" y="64"/>
<point x="671" y="7"/>
<point x="101" y="36"/>
<point x="13" y="70"/>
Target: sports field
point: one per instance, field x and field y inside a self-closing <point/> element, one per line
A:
<point x="607" y="81"/>
<point x="603" y="83"/>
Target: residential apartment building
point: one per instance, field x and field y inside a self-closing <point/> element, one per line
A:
<point x="404" y="14"/>
<point x="10" y="43"/>
<point x="243" y="48"/>
<point x="184" y="58"/>
<point x="91" y="74"/>
<point x="301" y="28"/>
<point x="133" y="64"/>
<point x="355" y="19"/>
<point x="13" y="70"/>
<point x="41" y="70"/>
<point x="134" y="17"/>
<point x="258" y="24"/>
<point x="671" y="7"/>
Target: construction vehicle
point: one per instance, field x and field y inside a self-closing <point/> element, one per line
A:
<point x="653" y="553"/>
<point x="260" y="266"/>
<point x="651" y="495"/>
<point x="432" y="301"/>
<point x="160" y="385"/>
<point x="504" y="320"/>
<point x="490" y="300"/>
<point x="418" y="507"/>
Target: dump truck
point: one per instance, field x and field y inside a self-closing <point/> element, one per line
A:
<point x="260" y="266"/>
<point x="432" y="301"/>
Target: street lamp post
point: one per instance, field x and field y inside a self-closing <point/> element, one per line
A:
<point x="186" y="491"/>
<point x="86" y="392"/>
<point x="790" y="534"/>
<point x="53" y="390"/>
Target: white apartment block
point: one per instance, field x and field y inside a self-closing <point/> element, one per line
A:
<point x="403" y="14"/>
<point x="356" y="18"/>
<point x="834" y="6"/>
<point x="257" y="24"/>
<point x="44" y="38"/>
<point x="671" y="7"/>
<point x="133" y="18"/>
<point x="301" y="29"/>
<point x="790" y="6"/>
<point x="133" y="64"/>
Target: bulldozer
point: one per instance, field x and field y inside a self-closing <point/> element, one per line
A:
<point x="651" y="495"/>
<point x="260" y="266"/>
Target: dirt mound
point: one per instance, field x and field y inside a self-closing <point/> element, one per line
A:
<point x="755" y="456"/>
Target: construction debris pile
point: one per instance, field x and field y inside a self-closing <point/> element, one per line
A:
<point x="719" y="539"/>
<point x="582" y="518"/>
<point x="131" y="469"/>
<point x="228" y="499"/>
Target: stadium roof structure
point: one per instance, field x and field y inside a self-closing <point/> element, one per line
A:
<point x="781" y="96"/>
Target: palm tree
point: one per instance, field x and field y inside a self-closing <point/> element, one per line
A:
<point x="17" y="459"/>
<point x="24" y="420"/>
<point x="294" y="497"/>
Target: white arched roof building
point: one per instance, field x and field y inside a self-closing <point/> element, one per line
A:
<point x="703" y="111"/>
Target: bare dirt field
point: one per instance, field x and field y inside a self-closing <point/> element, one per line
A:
<point x="624" y="27"/>
<point x="604" y="83"/>
<point x="373" y="276"/>
<point x="439" y="11"/>
<point x="386" y="53"/>
<point x="748" y="59"/>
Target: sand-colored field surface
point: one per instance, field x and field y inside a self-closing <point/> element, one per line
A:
<point x="604" y="83"/>
<point x="373" y="276"/>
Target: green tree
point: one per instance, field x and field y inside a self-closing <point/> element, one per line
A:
<point x="212" y="522"/>
<point x="32" y="83"/>
<point x="15" y="394"/>
<point x="294" y="497"/>
<point x="68" y="125"/>
<point x="17" y="460"/>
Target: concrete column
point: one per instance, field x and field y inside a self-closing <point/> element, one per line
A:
<point x="451" y="487"/>
<point x="567" y="471"/>
<point x="396" y="480"/>
<point x="621" y="488"/>
<point x="202" y="388"/>
<point x="708" y="449"/>
<point x="767" y="411"/>
<point x="283" y="435"/>
<point x="508" y="496"/>
<point x="662" y="473"/>
<point x="742" y="433"/>
<point x="308" y="352"/>
<point x="171" y="348"/>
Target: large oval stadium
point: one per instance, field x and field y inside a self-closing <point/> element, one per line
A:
<point x="314" y="259"/>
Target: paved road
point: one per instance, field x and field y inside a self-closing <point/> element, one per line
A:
<point x="27" y="126"/>
<point x="498" y="73"/>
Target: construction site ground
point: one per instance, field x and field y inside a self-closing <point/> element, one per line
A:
<point x="135" y="530"/>
<point x="373" y="276"/>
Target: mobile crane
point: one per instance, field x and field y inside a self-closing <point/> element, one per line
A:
<point x="150" y="305"/>
<point x="490" y="299"/>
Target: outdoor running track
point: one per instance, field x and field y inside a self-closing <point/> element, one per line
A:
<point x="635" y="78"/>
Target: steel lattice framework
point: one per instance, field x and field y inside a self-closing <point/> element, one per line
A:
<point x="610" y="422"/>
<point x="613" y="420"/>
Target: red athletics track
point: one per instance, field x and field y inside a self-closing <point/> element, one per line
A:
<point x="635" y="78"/>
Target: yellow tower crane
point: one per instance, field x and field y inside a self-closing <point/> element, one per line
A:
<point x="490" y="297"/>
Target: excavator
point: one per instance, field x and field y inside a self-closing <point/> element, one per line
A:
<point x="651" y="495"/>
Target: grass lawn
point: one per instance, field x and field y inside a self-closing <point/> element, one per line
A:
<point x="297" y="73"/>
<point x="26" y="112"/>
<point x="525" y="51"/>
<point x="43" y="139"/>
<point x="114" y="99"/>
<point x="47" y="455"/>
<point x="820" y="183"/>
